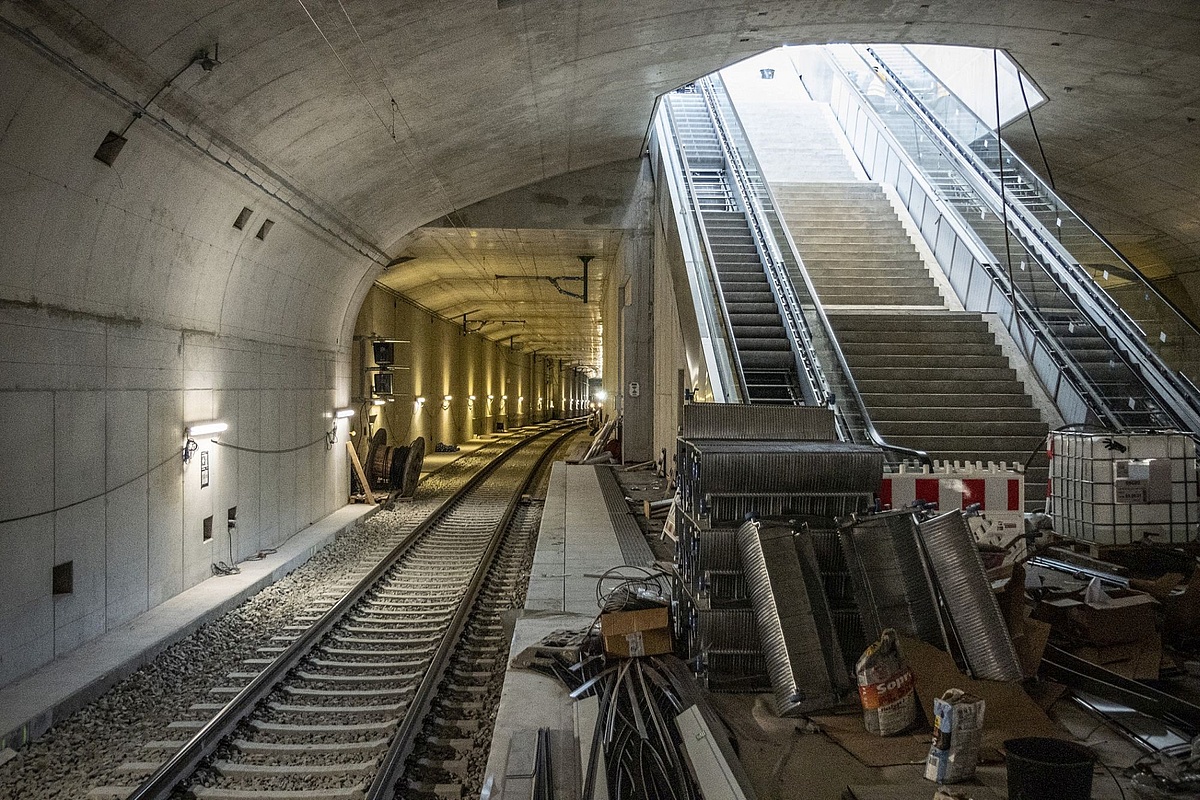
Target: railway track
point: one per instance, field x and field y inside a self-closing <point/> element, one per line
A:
<point x="332" y="706"/>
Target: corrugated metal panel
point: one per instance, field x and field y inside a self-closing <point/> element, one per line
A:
<point x="892" y="586"/>
<point x="708" y="560"/>
<point x="726" y="481"/>
<point x="723" y="646"/>
<point x="732" y="421"/>
<point x="804" y="657"/>
<point x="978" y="624"/>
<point x="761" y="468"/>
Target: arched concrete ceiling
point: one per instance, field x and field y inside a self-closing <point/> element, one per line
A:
<point x="388" y="115"/>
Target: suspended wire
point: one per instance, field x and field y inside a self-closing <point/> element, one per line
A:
<point x="350" y="75"/>
<point x="1012" y="285"/>
<point x="1036" y="138"/>
<point x="454" y="215"/>
<point x="139" y="476"/>
<point x="325" y="438"/>
<point x="382" y="77"/>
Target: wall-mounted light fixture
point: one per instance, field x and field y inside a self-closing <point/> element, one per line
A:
<point x="421" y="400"/>
<point x="379" y="401"/>
<point x="205" y="428"/>
<point x="601" y="395"/>
<point x="446" y="398"/>
<point x="343" y="413"/>
<point x="211" y="428"/>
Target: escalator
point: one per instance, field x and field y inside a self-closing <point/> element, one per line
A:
<point x="1107" y="325"/>
<point x="767" y="364"/>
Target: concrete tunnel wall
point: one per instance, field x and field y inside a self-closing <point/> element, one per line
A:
<point x="133" y="307"/>
<point x="440" y="360"/>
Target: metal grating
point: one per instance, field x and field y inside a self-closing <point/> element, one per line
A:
<point x="732" y="421"/>
<point x="799" y="640"/>
<point x="634" y="549"/>
<point x="978" y="624"/>
<point x="891" y="582"/>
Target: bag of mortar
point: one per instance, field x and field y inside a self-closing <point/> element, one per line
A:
<point x="886" y="687"/>
<point x="957" y="733"/>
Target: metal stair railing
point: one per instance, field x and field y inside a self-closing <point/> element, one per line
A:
<point x="1173" y="389"/>
<point x="790" y="307"/>
<point x="1067" y="383"/>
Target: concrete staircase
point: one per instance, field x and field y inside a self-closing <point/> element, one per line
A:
<point x="937" y="381"/>
<point x="854" y="246"/>
<point x="932" y="378"/>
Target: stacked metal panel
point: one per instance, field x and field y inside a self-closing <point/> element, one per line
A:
<point x="738" y="461"/>
<point x="708" y="560"/>
<point x="803" y="655"/>
<point x="722" y="645"/>
<point x="967" y="595"/>
<point x="759" y="422"/>
<point x="839" y="589"/>
<point x="723" y="481"/>
<point x="892" y="585"/>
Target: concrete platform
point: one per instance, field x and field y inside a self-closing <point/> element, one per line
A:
<point x="576" y="544"/>
<point x="30" y="705"/>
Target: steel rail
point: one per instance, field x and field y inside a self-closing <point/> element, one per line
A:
<point x="184" y="762"/>
<point x="391" y="768"/>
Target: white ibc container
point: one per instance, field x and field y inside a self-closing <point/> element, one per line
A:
<point x="1112" y="489"/>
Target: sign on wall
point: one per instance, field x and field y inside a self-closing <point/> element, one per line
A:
<point x="203" y="469"/>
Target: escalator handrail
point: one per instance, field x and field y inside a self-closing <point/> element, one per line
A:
<point x="706" y="246"/>
<point x="1061" y="356"/>
<point x="793" y="320"/>
<point x="1131" y="345"/>
<point x="1048" y="192"/>
<point x="1118" y="319"/>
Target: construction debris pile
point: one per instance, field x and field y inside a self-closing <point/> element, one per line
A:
<point x="772" y="593"/>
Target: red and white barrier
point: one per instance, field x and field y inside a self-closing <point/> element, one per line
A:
<point x="999" y="489"/>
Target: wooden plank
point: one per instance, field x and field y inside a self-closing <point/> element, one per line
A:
<point x="358" y="470"/>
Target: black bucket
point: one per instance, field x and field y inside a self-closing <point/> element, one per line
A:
<point x="1048" y="769"/>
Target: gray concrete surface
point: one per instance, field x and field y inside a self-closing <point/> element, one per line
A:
<point x="28" y="707"/>
<point x="576" y="544"/>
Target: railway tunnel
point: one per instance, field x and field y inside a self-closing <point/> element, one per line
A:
<point x="456" y="220"/>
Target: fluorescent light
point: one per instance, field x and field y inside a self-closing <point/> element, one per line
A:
<point x="471" y="398"/>
<point x="343" y="413"/>
<point x="447" y="397"/>
<point x="205" y="428"/>
<point x="379" y="402"/>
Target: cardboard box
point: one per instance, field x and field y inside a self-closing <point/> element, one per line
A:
<point x="636" y="633"/>
<point x="1126" y="617"/>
